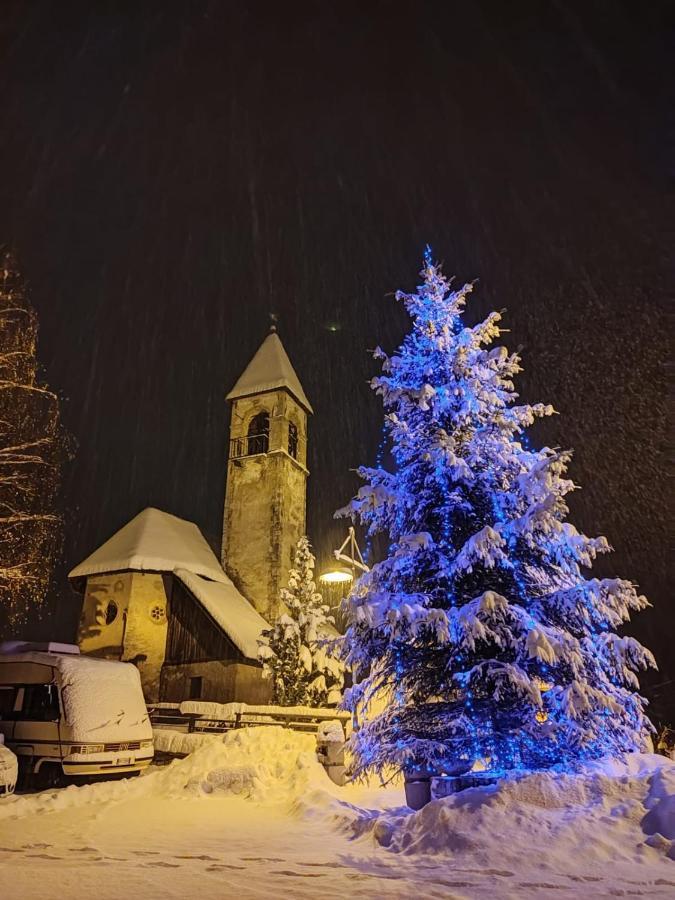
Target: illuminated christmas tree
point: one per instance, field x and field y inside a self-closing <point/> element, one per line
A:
<point x="480" y="638"/>
<point x="31" y="447"/>
<point x="295" y="652"/>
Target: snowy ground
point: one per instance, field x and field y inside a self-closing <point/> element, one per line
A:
<point x="254" y="815"/>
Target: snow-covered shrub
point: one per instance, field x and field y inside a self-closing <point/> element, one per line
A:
<point x="479" y="636"/>
<point x="296" y="652"/>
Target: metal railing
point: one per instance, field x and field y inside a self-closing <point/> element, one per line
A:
<point x="250" y="445"/>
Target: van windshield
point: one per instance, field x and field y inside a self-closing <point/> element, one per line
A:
<point x="40" y="703"/>
<point x="103" y="701"/>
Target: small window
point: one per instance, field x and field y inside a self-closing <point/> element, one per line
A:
<point x="293" y="439"/>
<point x="110" y="612"/>
<point x="259" y="434"/>
<point x="40" y="703"/>
<point x="7" y="695"/>
<point x="196" y="688"/>
<point x="158" y="613"/>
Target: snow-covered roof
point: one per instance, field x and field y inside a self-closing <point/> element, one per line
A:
<point x="158" y="542"/>
<point x="154" y="541"/>
<point x="269" y="370"/>
<point x="228" y="608"/>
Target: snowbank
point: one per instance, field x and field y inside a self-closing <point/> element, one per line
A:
<point x="612" y="811"/>
<point x="614" y="818"/>
<point x="166" y="740"/>
<point x="268" y="765"/>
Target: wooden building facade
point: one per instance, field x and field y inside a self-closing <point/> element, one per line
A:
<point x="155" y="595"/>
<point x="202" y="662"/>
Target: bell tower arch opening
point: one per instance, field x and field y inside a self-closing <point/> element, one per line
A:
<point x="258" y="434"/>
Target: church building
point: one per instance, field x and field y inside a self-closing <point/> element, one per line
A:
<point x="155" y="593"/>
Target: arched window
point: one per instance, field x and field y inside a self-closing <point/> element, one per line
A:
<point x="259" y="434"/>
<point x="293" y="439"/>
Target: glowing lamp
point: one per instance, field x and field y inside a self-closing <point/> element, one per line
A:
<point x="336" y="576"/>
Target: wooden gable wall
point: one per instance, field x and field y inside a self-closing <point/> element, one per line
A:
<point x="193" y="636"/>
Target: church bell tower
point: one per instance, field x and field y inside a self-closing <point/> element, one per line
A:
<point x="265" y="498"/>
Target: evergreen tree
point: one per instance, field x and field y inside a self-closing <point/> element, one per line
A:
<point x="31" y="447"/>
<point x="479" y="637"/>
<point x="295" y="652"/>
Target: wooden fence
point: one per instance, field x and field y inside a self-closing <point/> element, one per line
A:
<point x="169" y="715"/>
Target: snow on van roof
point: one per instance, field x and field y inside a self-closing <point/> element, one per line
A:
<point x="229" y="609"/>
<point x="9" y="647"/>
<point x="154" y="541"/>
<point x="56" y="659"/>
<point x="103" y="700"/>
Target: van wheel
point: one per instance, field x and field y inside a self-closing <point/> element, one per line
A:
<point x="49" y="775"/>
<point x="26" y="776"/>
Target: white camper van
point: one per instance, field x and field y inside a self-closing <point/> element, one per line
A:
<point x="62" y="713"/>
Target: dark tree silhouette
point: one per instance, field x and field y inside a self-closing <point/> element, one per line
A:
<point x="31" y="452"/>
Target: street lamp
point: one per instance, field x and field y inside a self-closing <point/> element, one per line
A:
<point x="336" y="581"/>
<point x="336" y="575"/>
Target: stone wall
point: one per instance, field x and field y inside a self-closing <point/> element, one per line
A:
<point x="145" y="638"/>
<point x="265" y="502"/>
<point x="103" y="616"/>
<point x="124" y="616"/>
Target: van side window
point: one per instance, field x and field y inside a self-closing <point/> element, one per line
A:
<point x="40" y="703"/>
<point x="7" y="695"/>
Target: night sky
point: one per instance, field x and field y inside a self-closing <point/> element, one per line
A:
<point x="174" y="172"/>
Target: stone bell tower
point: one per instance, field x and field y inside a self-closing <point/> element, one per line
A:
<point x="265" y="498"/>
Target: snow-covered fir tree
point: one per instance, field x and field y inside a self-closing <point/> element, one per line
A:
<point x="296" y="652"/>
<point x="31" y="449"/>
<point x="480" y="637"/>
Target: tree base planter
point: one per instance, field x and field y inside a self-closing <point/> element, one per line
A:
<point x="417" y="791"/>
<point x="423" y="787"/>
<point x="445" y="785"/>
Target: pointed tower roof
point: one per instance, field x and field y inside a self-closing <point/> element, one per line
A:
<point x="269" y="370"/>
<point x="153" y="541"/>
